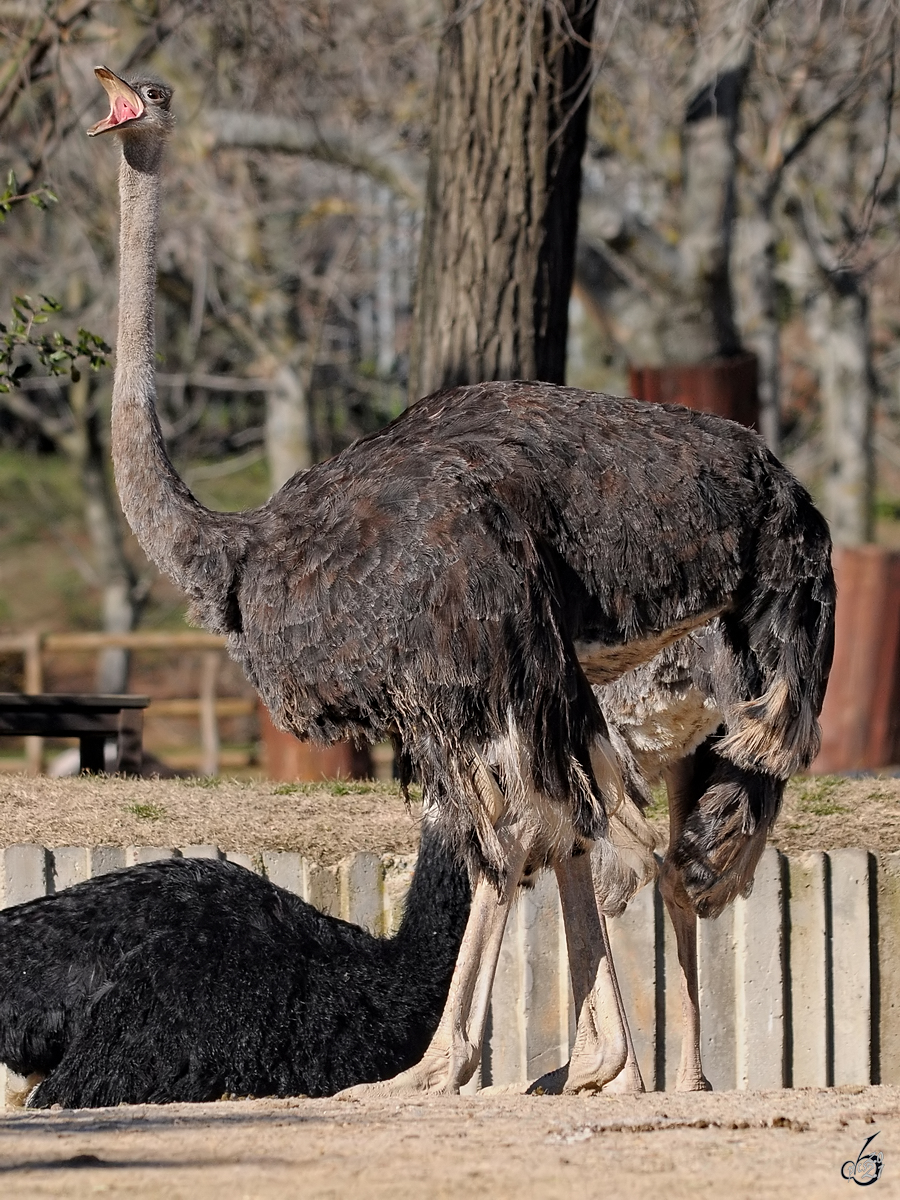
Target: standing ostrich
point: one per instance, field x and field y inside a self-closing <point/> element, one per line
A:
<point x="184" y="979"/>
<point x="666" y="724"/>
<point x="459" y="580"/>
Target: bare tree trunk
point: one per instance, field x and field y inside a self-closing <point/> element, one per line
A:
<point x="384" y="291"/>
<point x="755" y="262"/>
<point x="121" y="593"/>
<point x="704" y="323"/>
<point x="663" y="306"/>
<point x="288" y="448"/>
<point x="365" y="308"/>
<point x="838" y="321"/>
<point x="497" y="256"/>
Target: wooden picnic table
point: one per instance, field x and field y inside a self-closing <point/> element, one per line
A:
<point x="93" y="719"/>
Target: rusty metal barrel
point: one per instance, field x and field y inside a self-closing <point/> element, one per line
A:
<point x="726" y="386"/>
<point x="287" y="758"/>
<point x="861" y="715"/>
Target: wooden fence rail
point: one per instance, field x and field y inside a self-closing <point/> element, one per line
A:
<point x="799" y="982"/>
<point x="207" y="707"/>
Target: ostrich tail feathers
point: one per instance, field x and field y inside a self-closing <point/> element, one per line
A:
<point x="725" y="835"/>
<point x="623" y="860"/>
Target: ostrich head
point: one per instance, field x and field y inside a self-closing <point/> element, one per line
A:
<point x="139" y="109"/>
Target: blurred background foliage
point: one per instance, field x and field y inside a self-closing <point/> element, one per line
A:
<point x="289" y="235"/>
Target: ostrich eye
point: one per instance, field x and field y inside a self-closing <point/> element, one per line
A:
<point x="154" y="94"/>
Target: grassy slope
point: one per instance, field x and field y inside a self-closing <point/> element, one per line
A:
<point x="328" y="821"/>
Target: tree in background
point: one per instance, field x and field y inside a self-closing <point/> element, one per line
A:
<point x="691" y="245"/>
<point x="269" y="265"/>
<point x="734" y="182"/>
<point x="501" y="213"/>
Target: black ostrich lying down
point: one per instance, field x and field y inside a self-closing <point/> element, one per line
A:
<point x="188" y="979"/>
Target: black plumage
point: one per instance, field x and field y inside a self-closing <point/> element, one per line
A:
<point x="451" y="571"/>
<point x="462" y="575"/>
<point x="461" y="579"/>
<point x="186" y="979"/>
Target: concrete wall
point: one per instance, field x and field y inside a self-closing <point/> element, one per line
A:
<point x="800" y="982"/>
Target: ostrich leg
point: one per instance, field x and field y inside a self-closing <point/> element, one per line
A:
<point x="690" y="1077"/>
<point x="629" y="1079"/>
<point x="603" y="1055"/>
<point x="455" y="1049"/>
<point x="602" y="1040"/>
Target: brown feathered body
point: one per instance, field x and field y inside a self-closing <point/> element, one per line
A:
<point x="459" y="580"/>
<point x="472" y="568"/>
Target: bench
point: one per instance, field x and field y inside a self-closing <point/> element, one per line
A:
<point x="93" y="719"/>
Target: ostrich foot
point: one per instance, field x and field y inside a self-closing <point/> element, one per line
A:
<point x="440" y="1073"/>
<point x="601" y="1050"/>
<point x="592" y="1072"/>
<point x="628" y="1082"/>
<point x="555" y="1083"/>
<point x="692" y="1081"/>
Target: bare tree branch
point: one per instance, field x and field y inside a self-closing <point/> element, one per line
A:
<point x="54" y="429"/>
<point x="52" y="135"/>
<point x="284" y="136"/>
<point x="39" y="35"/>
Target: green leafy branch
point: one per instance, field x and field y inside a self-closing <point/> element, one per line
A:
<point x="57" y="353"/>
<point x="41" y="197"/>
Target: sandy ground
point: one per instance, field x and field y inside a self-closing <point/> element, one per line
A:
<point x="326" y="822"/>
<point x="733" y="1145"/>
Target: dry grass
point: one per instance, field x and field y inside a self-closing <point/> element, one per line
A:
<point x="324" y="822"/>
<point x="827" y="812"/>
<point x="330" y="820"/>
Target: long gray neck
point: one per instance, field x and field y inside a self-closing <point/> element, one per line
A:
<point x="174" y="529"/>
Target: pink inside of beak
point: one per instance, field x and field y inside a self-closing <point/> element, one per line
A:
<point x="122" y="110"/>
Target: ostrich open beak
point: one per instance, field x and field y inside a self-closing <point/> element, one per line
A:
<point x="126" y="106"/>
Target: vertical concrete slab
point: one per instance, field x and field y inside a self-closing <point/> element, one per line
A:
<point x="105" y="859"/>
<point x="540" y="924"/>
<point x="25" y="874"/>
<point x="760" y="1009"/>
<point x="285" y="869"/>
<point x="507" y="1038"/>
<point x="145" y="854"/>
<point x="69" y="865"/>
<point x="475" y="1084"/>
<point x="321" y="888"/>
<point x="889" y="966"/>
<point x="716" y="953"/>
<point x="396" y="876"/>
<point x="851" y="965"/>
<point x="242" y="859"/>
<point x="669" y="1051"/>
<point x="359" y="878"/>
<point x="202" y="851"/>
<point x="633" y="940"/>
<point x="808" y="958"/>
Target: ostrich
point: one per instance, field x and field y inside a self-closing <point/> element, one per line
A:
<point x="458" y="580"/>
<point x="185" y="979"/>
<point x="665" y="723"/>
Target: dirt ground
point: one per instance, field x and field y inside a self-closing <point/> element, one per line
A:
<point x="735" y="1145"/>
<point x="496" y="1145"/>
<point x="328" y="821"/>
